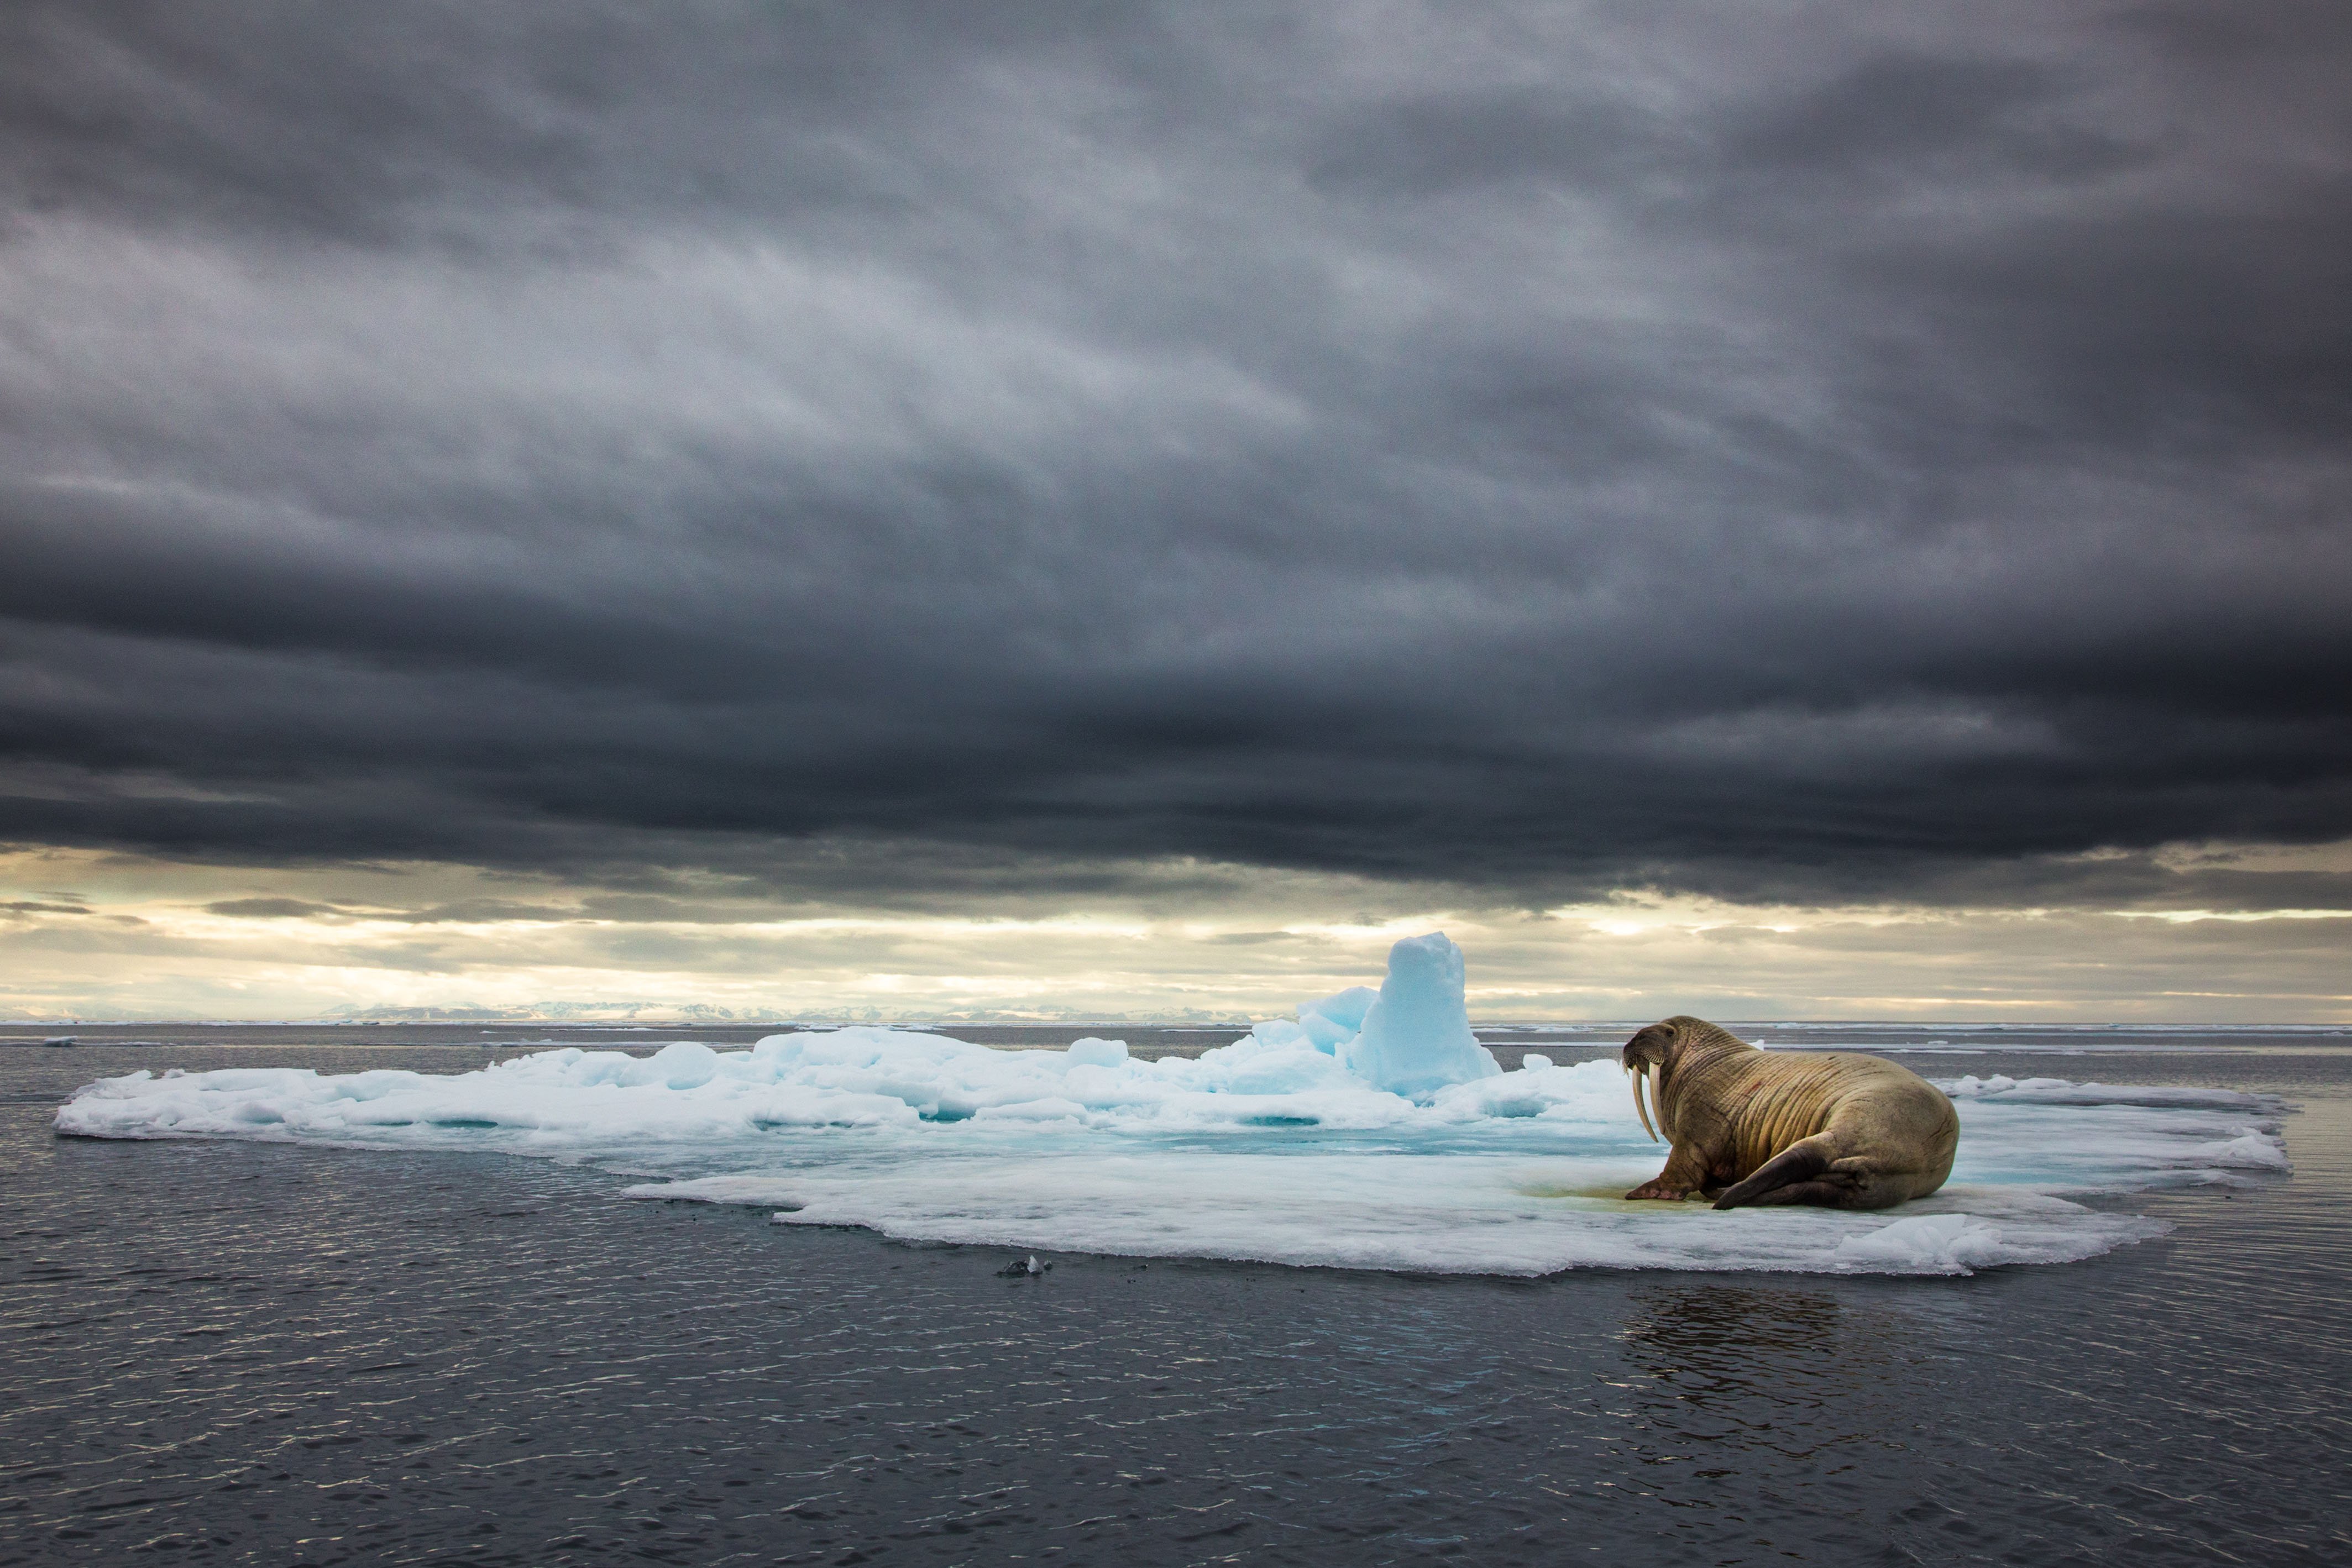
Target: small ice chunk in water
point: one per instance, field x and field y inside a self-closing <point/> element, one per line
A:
<point x="1093" y="1052"/>
<point x="1416" y="1038"/>
<point x="1534" y="1058"/>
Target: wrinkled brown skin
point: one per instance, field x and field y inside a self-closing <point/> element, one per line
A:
<point x="1750" y="1127"/>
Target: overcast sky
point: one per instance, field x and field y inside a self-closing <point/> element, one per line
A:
<point x="504" y="504"/>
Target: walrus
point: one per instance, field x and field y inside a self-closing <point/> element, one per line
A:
<point x="1750" y="1126"/>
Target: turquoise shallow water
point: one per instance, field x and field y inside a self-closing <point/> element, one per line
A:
<point x="266" y="1354"/>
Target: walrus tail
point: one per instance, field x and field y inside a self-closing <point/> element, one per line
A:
<point x="1799" y="1162"/>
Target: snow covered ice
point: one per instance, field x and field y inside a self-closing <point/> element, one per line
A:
<point x="1369" y="1130"/>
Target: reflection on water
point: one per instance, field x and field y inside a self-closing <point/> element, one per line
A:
<point x="1768" y="1413"/>
<point x="271" y="1355"/>
<point x="1703" y="1324"/>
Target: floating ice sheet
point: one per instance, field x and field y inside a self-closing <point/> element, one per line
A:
<point x="1256" y="1150"/>
<point x="1373" y="1131"/>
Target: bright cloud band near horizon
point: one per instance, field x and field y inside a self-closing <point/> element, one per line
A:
<point x="129" y="942"/>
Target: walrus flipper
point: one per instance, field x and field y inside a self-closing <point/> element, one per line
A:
<point x="1802" y="1162"/>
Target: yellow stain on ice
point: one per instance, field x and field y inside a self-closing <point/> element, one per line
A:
<point x="1613" y="1195"/>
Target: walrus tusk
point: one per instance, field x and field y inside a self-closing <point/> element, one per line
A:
<point x="1640" y="1077"/>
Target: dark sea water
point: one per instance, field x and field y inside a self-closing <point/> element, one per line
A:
<point x="236" y="1352"/>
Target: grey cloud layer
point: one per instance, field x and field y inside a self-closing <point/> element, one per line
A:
<point x="1782" y="451"/>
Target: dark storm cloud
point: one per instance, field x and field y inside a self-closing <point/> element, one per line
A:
<point x="1790" y="455"/>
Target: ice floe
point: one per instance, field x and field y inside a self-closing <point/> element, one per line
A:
<point x="1370" y="1130"/>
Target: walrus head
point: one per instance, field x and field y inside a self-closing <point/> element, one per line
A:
<point x="1650" y="1055"/>
<point x="1644" y="1054"/>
